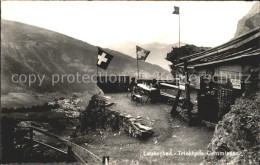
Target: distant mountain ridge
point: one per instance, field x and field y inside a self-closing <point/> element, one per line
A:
<point x="158" y="51"/>
<point x="250" y="21"/>
<point x="27" y="49"/>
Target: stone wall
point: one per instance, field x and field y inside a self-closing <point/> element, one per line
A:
<point x="98" y="115"/>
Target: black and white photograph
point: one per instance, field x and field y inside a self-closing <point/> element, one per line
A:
<point x="130" y="82"/>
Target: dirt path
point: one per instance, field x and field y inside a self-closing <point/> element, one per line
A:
<point x="171" y="135"/>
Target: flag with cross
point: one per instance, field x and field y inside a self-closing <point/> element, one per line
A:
<point x="176" y="10"/>
<point x="141" y="53"/>
<point x="104" y="59"/>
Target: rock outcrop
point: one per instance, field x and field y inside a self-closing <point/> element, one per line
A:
<point x="100" y="115"/>
<point x="236" y="138"/>
<point x="249" y="21"/>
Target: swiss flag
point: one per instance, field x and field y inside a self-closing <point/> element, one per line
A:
<point x="176" y="10"/>
<point x="141" y="53"/>
<point x="104" y="59"/>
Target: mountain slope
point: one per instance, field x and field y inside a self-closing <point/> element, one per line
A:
<point x="249" y="21"/>
<point x="28" y="50"/>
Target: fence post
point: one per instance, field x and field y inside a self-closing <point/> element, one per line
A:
<point x="31" y="136"/>
<point x="105" y="160"/>
<point x="70" y="155"/>
<point x="175" y="104"/>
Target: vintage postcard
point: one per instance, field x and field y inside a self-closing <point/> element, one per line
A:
<point x="130" y="82"/>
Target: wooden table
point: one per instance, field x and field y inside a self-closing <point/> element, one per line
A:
<point x="170" y="85"/>
<point x="147" y="89"/>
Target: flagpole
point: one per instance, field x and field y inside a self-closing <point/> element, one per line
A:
<point x="97" y="64"/>
<point x="137" y="66"/>
<point x="179" y="27"/>
<point x="97" y="74"/>
<point x="97" y="67"/>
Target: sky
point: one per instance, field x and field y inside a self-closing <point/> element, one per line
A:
<point x="104" y="23"/>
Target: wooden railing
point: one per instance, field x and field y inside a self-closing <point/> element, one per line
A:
<point x="74" y="151"/>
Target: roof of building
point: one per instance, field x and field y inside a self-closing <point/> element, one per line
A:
<point x="243" y="46"/>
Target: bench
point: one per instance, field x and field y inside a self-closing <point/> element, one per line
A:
<point x="170" y="97"/>
<point x="138" y="98"/>
<point x="167" y="95"/>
